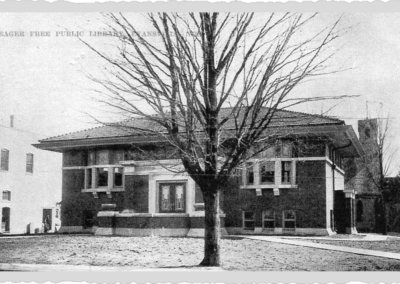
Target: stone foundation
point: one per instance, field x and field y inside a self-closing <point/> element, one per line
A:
<point x="279" y="231"/>
<point x="147" y="224"/>
<point x="70" y="229"/>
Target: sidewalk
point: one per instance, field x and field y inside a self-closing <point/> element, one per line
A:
<point x="86" y="268"/>
<point x="329" y="247"/>
<point x="362" y="238"/>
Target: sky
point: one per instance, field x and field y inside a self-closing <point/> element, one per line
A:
<point x="43" y="80"/>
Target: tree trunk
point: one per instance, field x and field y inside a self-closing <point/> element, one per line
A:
<point x="212" y="231"/>
<point x="384" y="218"/>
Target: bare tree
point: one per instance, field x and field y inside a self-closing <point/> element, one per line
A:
<point x="213" y="84"/>
<point x="378" y="161"/>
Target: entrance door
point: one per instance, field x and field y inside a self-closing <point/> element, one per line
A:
<point x="5" y="220"/>
<point x="339" y="212"/>
<point x="172" y="198"/>
<point x="47" y="219"/>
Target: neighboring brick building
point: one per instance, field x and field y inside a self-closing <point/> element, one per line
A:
<point x="112" y="183"/>
<point x="30" y="183"/>
<point x="362" y="174"/>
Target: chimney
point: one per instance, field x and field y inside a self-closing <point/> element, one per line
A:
<point x="12" y="121"/>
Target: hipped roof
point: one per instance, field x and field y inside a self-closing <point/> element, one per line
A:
<point x="127" y="132"/>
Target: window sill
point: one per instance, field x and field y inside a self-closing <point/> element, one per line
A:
<point x="103" y="189"/>
<point x="163" y="215"/>
<point x="166" y="215"/>
<point x="198" y="206"/>
<point x="269" y="186"/>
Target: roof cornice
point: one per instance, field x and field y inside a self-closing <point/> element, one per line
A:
<point x="338" y="133"/>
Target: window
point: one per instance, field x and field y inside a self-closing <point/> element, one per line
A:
<point x="88" y="178"/>
<point x="7" y="195"/>
<point x="249" y="173"/>
<point x="92" y="158"/>
<point x="286" y="171"/>
<point x="102" y="157"/>
<point x="283" y="149"/>
<point x="289" y="220"/>
<point x="29" y="163"/>
<point x="359" y="211"/>
<point x="4" y="160"/>
<point x="335" y="157"/>
<point x="248" y="220"/>
<point x="268" y="153"/>
<point x="286" y="150"/>
<point x="267" y="172"/>
<point x="5" y="219"/>
<point x="118" y="156"/>
<point x="269" y="220"/>
<point x="172" y="198"/>
<point x="367" y="132"/>
<point x="117" y="177"/>
<point x="102" y="177"/>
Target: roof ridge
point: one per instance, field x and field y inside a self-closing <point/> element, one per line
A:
<point x="312" y="114"/>
<point x="299" y="112"/>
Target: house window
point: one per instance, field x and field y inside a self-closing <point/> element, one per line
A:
<point x="102" y="177"/>
<point x="29" y="163"/>
<point x="269" y="220"/>
<point x="118" y="177"/>
<point x="283" y="150"/>
<point x="359" y="211"/>
<point x="7" y="195"/>
<point x="118" y="157"/>
<point x="264" y="174"/>
<point x="331" y="154"/>
<point x="172" y="198"/>
<point x="110" y="177"/>
<point x="286" y="171"/>
<point x="102" y="157"/>
<point x="88" y="178"/>
<point x="4" y="159"/>
<point x="92" y="158"/>
<point x="289" y="220"/>
<point x="267" y="172"/>
<point x="268" y="153"/>
<point x="286" y="150"/>
<point x="179" y="198"/>
<point x="249" y="173"/>
<point x="5" y="219"/>
<point x="248" y="220"/>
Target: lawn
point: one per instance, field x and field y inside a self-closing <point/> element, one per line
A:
<point x="146" y="252"/>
